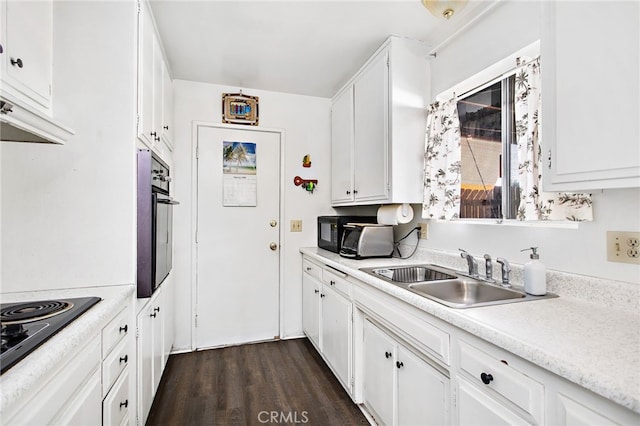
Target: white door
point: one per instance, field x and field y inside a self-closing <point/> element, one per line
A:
<point x="237" y="236"/>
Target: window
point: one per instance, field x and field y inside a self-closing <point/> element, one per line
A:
<point x="489" y="187"/>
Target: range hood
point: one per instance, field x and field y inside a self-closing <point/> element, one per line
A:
<point x="25" y="124"/>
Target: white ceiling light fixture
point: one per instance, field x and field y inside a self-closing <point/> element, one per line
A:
<point x="444" y="8"/>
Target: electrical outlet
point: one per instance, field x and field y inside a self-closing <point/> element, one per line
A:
<point x="296" y="226"/>
<point x="424" y="231"/>
<point x="623" y="247"/>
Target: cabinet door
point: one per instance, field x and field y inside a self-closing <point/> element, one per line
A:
<point x="157" y="324"/>
<point x="378" y="373"/>
<point x="342" y="147"/>
<point x="423" y="392"/>
<point x="168" y="317"/>
<point x="336" y="333"/>
<point x="145" y="362"/>
<point x="158" y="86"/>
<point x="28" y="46"/>
<point x="167" y="107"/>
<point x="590" y="96"/>
<point x="310" y="309"/>
<point x="85" y="407"/>
<point x="476" y="407"/>
<point x="146" y="64"/>
<point x="371" y="132"/>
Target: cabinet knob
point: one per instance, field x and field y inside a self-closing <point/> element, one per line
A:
<point x="387" y="355"/>
<point x="399" y="364"/>
<point x="124" y="359"/>
<point x="5" y="107"/>
<point x="17" y="62"/>
<point x="157" y="139"/>
<point x="308" y="268"/>
<point x="156" y="309"/>
<point x="486" y="378"/>
<point x="332" y="282"/>
<point x="124" y="329"/>
<point x="1" y="49"/>
<point x="316" y="291"/>
<point x="322" y="295"/>
<point x="153" y="315"/>
<point x="153" y="134"/>
<point x="355" y="191"/>
<point x="348" y="192"/>
<point x="124" y="404"/>
<point x="165" y="127"/>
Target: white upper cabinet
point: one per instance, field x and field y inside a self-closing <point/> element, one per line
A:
<point x="155" y="88"/>
<point x="378" y="126"/>
<point x="342" y="147"/>
<point x="29" y="30"/>
<point x="26" y="57"/>
<point x="591" y="95"/>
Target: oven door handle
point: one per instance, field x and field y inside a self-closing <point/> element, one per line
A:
<point x="167" y="201"/>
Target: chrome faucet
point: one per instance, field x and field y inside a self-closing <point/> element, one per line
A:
<point x="506" y="268"/>
<point x="473" y="265"/>
<point x="488" y="268"/>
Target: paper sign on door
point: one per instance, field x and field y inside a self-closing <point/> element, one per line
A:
<point x="239" y="174"/>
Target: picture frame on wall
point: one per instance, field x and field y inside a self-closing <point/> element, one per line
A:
<point x="238" y="108"/>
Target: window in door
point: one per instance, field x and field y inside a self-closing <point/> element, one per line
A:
<point x="489" y="152"/>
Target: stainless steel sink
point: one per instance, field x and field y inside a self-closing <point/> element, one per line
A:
<point x="465" y="292"/>
<point x="449" y="287"/>
<point x="412" y="274"/>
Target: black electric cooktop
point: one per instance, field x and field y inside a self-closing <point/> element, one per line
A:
<point x="27" y="325"/>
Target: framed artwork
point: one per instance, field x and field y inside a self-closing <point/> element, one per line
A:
<point x="239" y="109"/>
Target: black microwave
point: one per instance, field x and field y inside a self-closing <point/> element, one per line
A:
<point x="331" y="229"/>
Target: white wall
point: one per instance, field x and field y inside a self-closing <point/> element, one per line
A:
<point x="306" y="124"/>
<point x="68" y="212"/>
<point x="507" y="28"/>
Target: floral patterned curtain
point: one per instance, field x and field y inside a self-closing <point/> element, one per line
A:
<point x="442" y="161"/>
<point x="535" y="204"/>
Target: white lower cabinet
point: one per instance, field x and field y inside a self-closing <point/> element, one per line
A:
<point x="401" y="388"/>
<point x="152" y="347"/>
<point x="407" y="367"/>
<point x="327" y="318"/>
<point x="336" y="333"/>
<point x="494" y="375"/>
<point x="476" y="407"/>
<point x="311" y="309"/>
<point x="117" y="355"/>
<point x="91" y="387"/>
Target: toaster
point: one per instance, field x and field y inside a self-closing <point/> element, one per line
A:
<point x="363" y="240"/>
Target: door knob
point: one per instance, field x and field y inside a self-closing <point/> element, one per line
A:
<point x="273" y="223"/>
<point x="273" y="246"/>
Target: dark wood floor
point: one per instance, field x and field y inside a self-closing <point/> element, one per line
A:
<point x="283" y="382"/>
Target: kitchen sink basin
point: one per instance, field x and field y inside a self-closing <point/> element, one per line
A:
<point x="412" y="274"/>
<point x="450" y="287"/>
<point x="465" y="292"/>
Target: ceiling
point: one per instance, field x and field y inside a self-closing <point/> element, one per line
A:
<point x="304" y="47"/>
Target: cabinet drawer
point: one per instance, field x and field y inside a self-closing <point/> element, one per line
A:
<point x="117" y="361"/>
<point x="117" y="329"/>
<point x="336" y="280"/>
<point x="495" y="375"/>
<point x="115" y="407"/>
<point x="312" y="269"/>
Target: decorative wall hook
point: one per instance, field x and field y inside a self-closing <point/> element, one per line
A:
<point x="306" y="184"/>
<point x="306" y="161"/>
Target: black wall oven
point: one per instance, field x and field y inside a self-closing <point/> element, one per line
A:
<point x="155" y="222"/>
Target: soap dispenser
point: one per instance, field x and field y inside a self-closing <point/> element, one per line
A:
<point x="535" y="276"/>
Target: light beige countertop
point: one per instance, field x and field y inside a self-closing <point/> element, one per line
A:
<point x="28" y="374"/>
<point x="592" y="340"/>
